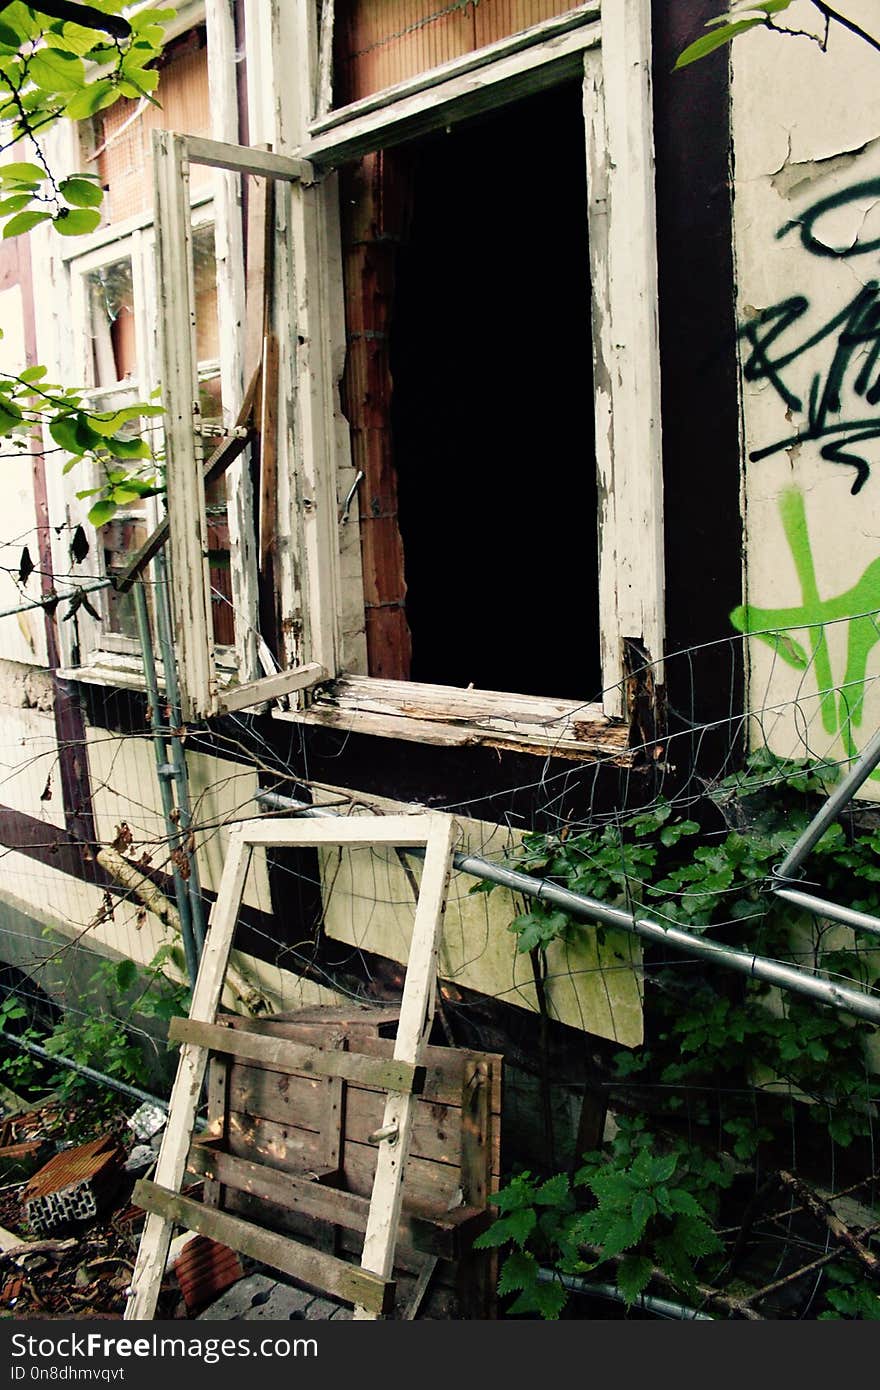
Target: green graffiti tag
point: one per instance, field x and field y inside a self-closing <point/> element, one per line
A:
<point x="841" y="704"/>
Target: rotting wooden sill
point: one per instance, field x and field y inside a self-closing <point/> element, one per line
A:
<point x="456" y="718"/>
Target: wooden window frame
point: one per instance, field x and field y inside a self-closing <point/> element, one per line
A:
<point x="610" y="48"/>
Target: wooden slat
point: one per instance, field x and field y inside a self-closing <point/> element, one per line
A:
<point x="394" y="1075"/>
<point x="360" y="831"/>
<point x="313" y="1267"/>
<point x="443" y="1065"/>
<point x="435" y="1231"/>
<point x="416" y="1015"/>
<point x="301" y="1102"/>
<point x="245" y="160"/>
<point x="269" y="687"/>
<point x="153" y="1250"/>
<point x="218" y="1108"/>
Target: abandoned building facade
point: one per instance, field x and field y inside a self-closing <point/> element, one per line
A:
<point x="529" y="374"/>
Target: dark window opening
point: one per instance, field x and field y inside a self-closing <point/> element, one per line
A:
<point x="468" y="252"/>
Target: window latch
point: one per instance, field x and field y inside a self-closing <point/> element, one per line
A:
<point x="346" y="506"/>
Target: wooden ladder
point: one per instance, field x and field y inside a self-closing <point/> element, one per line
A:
<point x="370" y="1287"/>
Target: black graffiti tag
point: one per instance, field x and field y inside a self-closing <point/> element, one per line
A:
<point x="839" y="398"/>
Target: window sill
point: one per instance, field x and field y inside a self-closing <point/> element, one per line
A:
<point x="452" y="717"/>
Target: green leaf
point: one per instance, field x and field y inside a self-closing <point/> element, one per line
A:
<point x="57" y="71"/>
<point x="84" y="193"/>
<point x="31" y="374"/>
<point x="633" y="1276"/>
<point x="519" y="1271"/>
<point x="709" y="42"/>
<point x="10" y="417"/>
<point x="554" y="1191"/>
<point x="23" y="221"/>
<point x="74" y="434"/>
<point x="550" y="1298"/>
<point x="102" y="512"/>
<point x="22" y="173"/>
<point x="126" y="974"/>
<point x="93" y="98"/>
<point x="77" y="223"/>
<point x="128" y="448"/>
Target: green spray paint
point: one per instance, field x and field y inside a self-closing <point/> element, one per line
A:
<point x="842" y="705"/>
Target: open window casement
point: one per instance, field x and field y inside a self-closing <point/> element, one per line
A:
<point x="186" y="435"/>
<point x="601" y="56"/>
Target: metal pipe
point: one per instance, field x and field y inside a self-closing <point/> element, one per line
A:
<point x="828" y="813"/>
<point x="663" y="1307"/>
<point x="789" y="977"/>
<point x="98" y="1076"/>
<point x="171" y="830"/>
<point x="178" y="756"/>
<point x="48" y="599"/>
<point x="836" y="912"/>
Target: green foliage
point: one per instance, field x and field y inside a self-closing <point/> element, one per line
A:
<point x="29" y="402"/>
<point x="654" y="1196"/>
<point x="742" y="16"/>
<point x="95" y="1037"/>
<point x="51" y="68"/>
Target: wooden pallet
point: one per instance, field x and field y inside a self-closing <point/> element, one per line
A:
<point x="370" y="1289"/>
<point x="298" y="1150"/>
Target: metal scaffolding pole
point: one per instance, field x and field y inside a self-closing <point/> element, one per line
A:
<point x="165" y="771"/>
<point x="788" y="977"/>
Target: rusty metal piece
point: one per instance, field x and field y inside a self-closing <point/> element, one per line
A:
<point x="74" y="1185"/>
<point x="204" y="1270"/>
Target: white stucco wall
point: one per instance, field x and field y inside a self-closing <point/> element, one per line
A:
<point x="806" y="147"/>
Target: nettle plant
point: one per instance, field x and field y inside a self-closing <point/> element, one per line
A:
<point x="731" y="1070"/>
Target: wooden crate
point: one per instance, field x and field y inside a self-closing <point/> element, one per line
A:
<point x="294" y="1150"/>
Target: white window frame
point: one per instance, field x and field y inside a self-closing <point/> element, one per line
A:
<point x="290" y="86"/>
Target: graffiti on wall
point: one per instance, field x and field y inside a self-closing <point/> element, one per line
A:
<point x="826" y="375"/>
<point x="830" y="371"/>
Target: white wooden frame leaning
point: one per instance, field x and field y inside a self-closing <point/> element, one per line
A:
<point x="188" y="529"/>
<point x="436" y="833"/>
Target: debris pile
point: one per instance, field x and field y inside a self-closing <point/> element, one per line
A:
<point x="74" y="1186"/>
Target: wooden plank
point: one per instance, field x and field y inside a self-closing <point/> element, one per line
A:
<point x="477" y="1275"/>
<point x="313" y="1267"/>
<point x="217" y="1095"/>
<point x="269" y="452"/>
<point x="235" y="370"/>
<point x="466" y="94"/>
<point x="416" y="1015"/>
<point x="632" y="342"/>
<point x="457" y="717"/>
<point x="310" y="1060"/>
<point x="360" y="831"/>
<point x="443" y="1065"/>
<point x="416" y="1298"/>
<point x="188" y="532"/>
<point x="435" y="1231"/>
<point x="324" y="95"/>
<point x="301" y="1102"/>
<point x="236" y="697"/>
<point x="458" y="67"/>
<point x="171" y="1166"/>
<point x="245" y="160"/>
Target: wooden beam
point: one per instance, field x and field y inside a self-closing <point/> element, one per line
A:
<point x="509" y="77"/>
<point x="458" y="67"/>
<point x="324" y="1272"/>
<point x="416" y="1016"/>
<point x="245" y="160"/>
<point x="360" y="831"/>
<point x="269" y="688"/>
<point x="443" y="1233"/>
<point x="171" y="1167"/>
<point x="300" y="1057"/>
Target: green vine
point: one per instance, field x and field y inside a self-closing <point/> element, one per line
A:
<point x="732" y="1075"/>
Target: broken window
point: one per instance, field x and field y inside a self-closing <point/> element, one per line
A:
<point x="468" y="388"/>
<point x="111" y="312"/>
